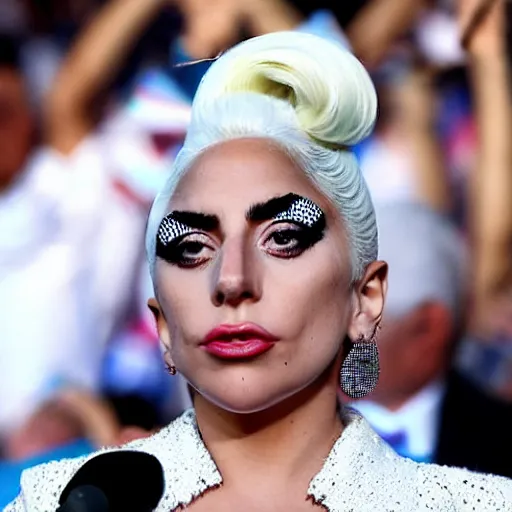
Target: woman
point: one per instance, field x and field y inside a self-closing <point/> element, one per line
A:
<point x="263" y="250"/>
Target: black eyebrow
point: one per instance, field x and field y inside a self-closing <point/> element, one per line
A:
<point x="197" y="220"/>
<point x="269" y="209"/>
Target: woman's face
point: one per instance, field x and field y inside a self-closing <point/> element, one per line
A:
<point x="253" y="277"/>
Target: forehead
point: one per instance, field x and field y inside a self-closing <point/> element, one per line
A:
<point x="234" y="175"/>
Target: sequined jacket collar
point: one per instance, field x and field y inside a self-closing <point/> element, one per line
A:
<point x="360" y="474"/>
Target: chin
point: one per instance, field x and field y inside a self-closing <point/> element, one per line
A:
<point x="239" y="401"/>
<point x="247" y="398"/>
<point x="245" y="389"/>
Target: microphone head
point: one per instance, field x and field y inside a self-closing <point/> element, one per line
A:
<point x="130" y="480"/>
<point x="86" y="498"/>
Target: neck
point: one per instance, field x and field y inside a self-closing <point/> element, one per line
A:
<point x="296" y="434"/>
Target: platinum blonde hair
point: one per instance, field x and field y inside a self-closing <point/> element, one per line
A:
<point x="309" y="96"/>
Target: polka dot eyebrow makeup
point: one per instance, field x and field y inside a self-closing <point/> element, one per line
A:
<point x="287" y="208"/>
<point x="177" y="224"/>
<point x="302" y="210"/>
<point x="170" y="229"/>
<point x="290" y="207"/>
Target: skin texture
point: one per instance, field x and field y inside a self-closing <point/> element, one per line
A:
<point x="306" y="301"/>
<point x="16" y="127"/>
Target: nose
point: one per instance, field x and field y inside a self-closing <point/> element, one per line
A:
<point x="237" y="277"/>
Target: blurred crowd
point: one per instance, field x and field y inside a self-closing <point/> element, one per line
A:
<point x="94" y="104"/>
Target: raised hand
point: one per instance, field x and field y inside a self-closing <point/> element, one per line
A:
<point x="482" y="24"/>
<point x="211" y="26"/>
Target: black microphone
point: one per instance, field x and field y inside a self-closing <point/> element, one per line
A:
<point x="85" y="498"/>
<point x="115" y="482"/>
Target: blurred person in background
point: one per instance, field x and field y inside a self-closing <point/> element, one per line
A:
<point x="486" y="352"/>
<point x="430" y="403"/>
<point x="446" y="140"/>
<point x="408" y="141"/>
<point x="69" y="223"/>
<point x="17" y="126"/>
<point x="423" y="406"/>
<point x="43" y="30"/>
<point x="389" y="149"/>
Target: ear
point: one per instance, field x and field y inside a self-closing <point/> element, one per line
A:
<point x="161" y="326"/>
<point x="369" y="296"/>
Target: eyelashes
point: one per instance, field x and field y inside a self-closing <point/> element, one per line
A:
<point x="291" y="242"/>
<point x="291" y="232"/>
<point x="189" y="252"/>
<point x="170" y="243"/>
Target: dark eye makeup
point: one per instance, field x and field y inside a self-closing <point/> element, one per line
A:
<point x="187" y="250"/>
<point x="289" y="240"/>
<point x="298" y="226"/>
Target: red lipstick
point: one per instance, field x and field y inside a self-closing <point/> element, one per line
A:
<point x="240" y="341"/>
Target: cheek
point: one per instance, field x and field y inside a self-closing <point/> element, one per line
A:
<point x="185" y="300"/>
<point x="313" y="298"/>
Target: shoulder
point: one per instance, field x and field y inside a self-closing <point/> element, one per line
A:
<point x="465" y="490"/>
<point x="41" y="486"/>
<point x="368" y="471"/>
<point x="449" y="489"/>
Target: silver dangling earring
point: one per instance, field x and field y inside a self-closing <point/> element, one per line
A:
<point x="360" y="369"/>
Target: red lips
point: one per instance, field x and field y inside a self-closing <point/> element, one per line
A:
<point x="240" y="341"/>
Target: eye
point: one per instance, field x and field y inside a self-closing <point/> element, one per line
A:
<point x="287" y="242"/>
<point x="285" y="239"/>
<point x="188" y="251"/>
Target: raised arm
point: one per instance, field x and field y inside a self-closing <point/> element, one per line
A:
<point x="265" y="16"/>
<point x="91" y="66"/>
<point x="418" y="102"/>
<point x="379" y="24"/>
<point x="491" y="181"/>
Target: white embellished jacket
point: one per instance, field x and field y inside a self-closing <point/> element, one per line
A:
<point x="361" y="474"/>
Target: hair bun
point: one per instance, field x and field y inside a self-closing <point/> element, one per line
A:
<point x="332" y="94"/>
